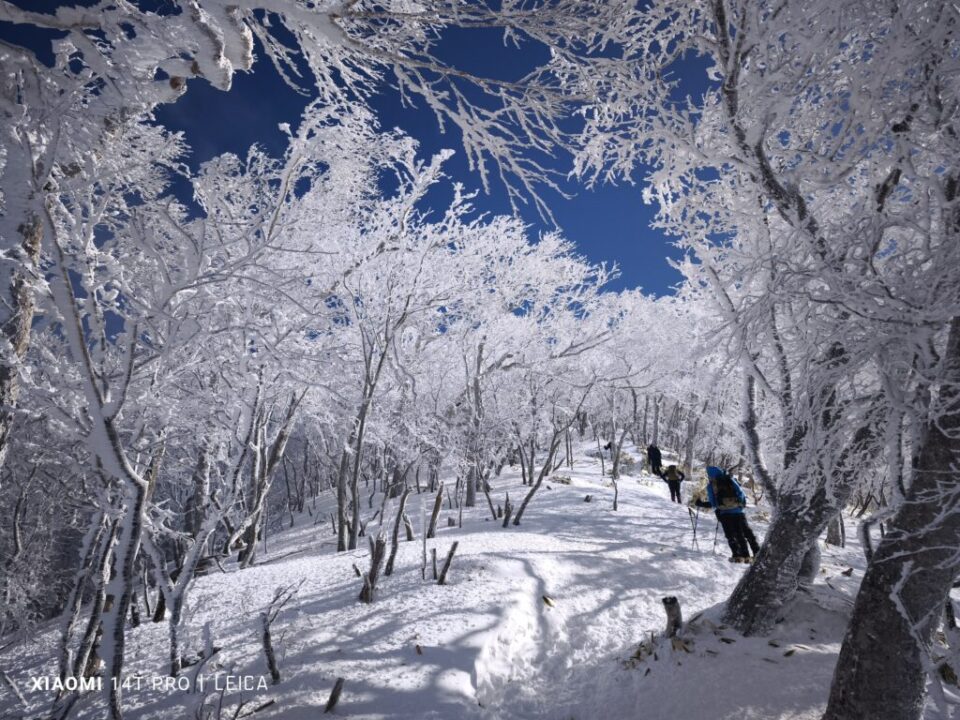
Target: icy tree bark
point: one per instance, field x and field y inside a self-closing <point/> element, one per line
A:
<point x="90" y="552"/>
<point x="16" y="317"/>
<point x="751" y="439"/>
<point x="507" y="511"/>
<point x="342" y="480"/>
<point x="442" y="579"/>
<point x="378" y="549"/>
<point x="174" y="586"/>
<point x="771" y="582"/>
<point x="646" y="411"/>
<point x="655" y="436"/>
<point x="615" y="468"/>
<point x="835" y="531"/>
<point x="810" y="564"/>
<point x="803" y="510"/>
<point x="200" y="496"/>
<point x="121" y="588"/>
<point x="265" y="460"/>
<point x="547" y="463"/>
<point x="474" y="450"/>
<point x="268" y="649"/>
<point x="693" y="424"/>
<point x="84" y="656"/>
<point x="395" y="541"/>
<point x="801" y="517"/>
<point x="437" y="505"/>
<point x="470" y="495"/>
<point x="909" y="577"/>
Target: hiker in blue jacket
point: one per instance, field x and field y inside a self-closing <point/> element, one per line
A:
<point x="726" y="497"/>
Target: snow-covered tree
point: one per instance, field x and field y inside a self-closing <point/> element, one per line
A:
<point x="813" y="185"/>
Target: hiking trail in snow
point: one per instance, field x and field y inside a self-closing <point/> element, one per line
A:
<point x="535" y="622"/>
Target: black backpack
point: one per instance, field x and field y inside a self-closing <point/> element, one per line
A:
<point x="724" y="492"/>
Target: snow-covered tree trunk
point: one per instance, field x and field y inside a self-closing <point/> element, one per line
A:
<point x="395" y="538"/>
<point x="84" y="656"/>
<point x="266" y="458"/>
<point x="764" y="591"/>
<point x="547" y="463"/>
<point x="646" y="413"/>
<point x="200" y="495"/>
<point x="174" y="586"/>
<point x="801" y="516"/>
<point x="90" y="552"/>
<point x="121" y="588"/>
<point x="655" y="433"/>
<point x="615" y="448"/>
<point x="909" y="578"/>
<point x="16" y="317"/>
<point x="343" y="479"/>
<point x="258" y="495"/>
<point x="693" y="424"/>
<point x="751" y="440"/>
<point x="470" y="494"/>
<point x="835" y="532"/>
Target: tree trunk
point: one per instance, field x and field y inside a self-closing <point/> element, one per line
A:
<point x="768" y="586"/>
<point x="834" y="532"/>
<point x="771" y="582"/>
<point x="751" y="439"/>
<point x="615" y="469"/>
<point x="693" y="424"/>
<point x="85" y="650"/>
<point x="547" y="462"/>
<point x="16" y="318"/>
<point x="442" y="579"/>
<point x="121" y="587"/>
<point x="196" y="507"/>
<point x="395" y="542"/>
<point x="437" y="505"/>
<point x="91" y="553"/>
<point x="909" y="578"/>
<point x="471" y="493"/>
<point x="342" y="501"/>
<point x="655" y="439"/>
<point x="378" y="548"/>
<point x="646" y="413"/>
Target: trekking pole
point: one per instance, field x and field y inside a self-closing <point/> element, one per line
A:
<point x="695" y="519"/>
<point x="716" y="534"/>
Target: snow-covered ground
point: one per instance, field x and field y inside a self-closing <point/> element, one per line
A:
<point x="536" y="621"/>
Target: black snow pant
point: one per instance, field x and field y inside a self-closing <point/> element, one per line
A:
<point x="739" y="536"/>
<point x="674" y="486"/>
<point x="749" y="536"/>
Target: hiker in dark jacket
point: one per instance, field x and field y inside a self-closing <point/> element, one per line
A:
<point x="726" y="497"/>
<point x="653" y="456"/>
<point x="673" y="476"/>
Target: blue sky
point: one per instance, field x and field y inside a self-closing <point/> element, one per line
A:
<point x="609" y="224"/>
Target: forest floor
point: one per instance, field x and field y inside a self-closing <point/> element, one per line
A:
<point x="536" y="621"/>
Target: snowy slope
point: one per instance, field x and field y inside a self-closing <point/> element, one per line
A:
<point x="487" y="645"/>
